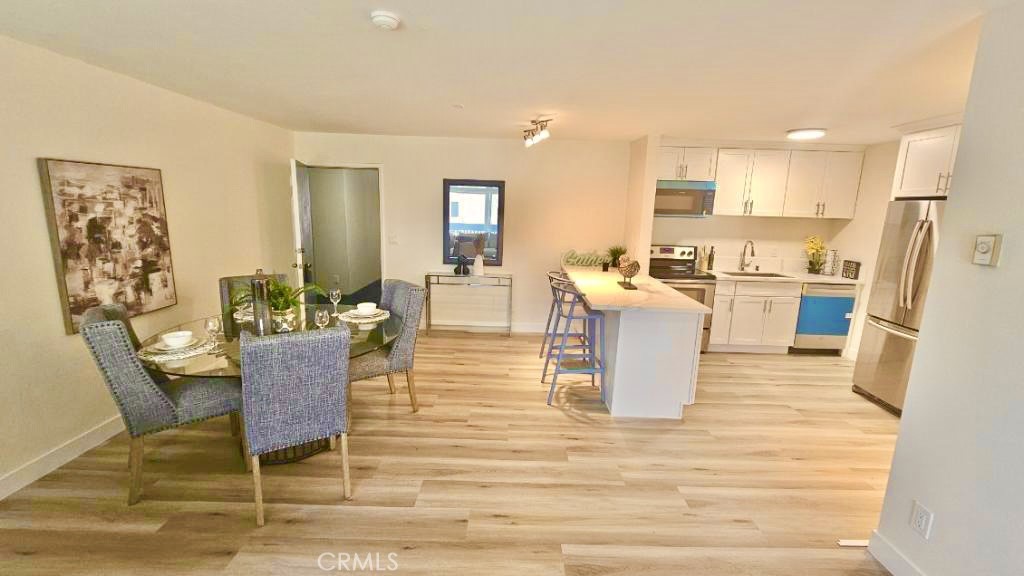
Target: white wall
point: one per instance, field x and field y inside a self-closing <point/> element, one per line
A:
<point x="225" y="181"/>
<point x="559" y="195"/>
<point x="961" y="445"/>
<point x="859" y="239"/>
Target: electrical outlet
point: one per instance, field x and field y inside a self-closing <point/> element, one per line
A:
<point x="921" y="520"/>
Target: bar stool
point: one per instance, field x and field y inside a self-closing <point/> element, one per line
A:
<point x="586" y="357"/>
<point x="549" y="329"/>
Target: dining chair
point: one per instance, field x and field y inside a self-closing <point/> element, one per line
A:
<point x="148" y="406"/>
<point x="295" y="390"/>
<point x="229" y="287"/>
<point x="574" y="355"/>
<point x="405" y="300"/>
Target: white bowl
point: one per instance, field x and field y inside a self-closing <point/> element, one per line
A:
<point x="176" y="339"/>
<point x="366" y="308"/>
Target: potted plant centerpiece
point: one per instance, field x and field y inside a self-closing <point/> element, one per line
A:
<point x="815" y="249"/>
<point x="283" y="300"/>
<point x="616" y="252"/>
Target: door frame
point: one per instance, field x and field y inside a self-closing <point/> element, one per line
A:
<point x="297" y="222"/>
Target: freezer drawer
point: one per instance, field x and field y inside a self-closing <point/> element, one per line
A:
<point x="883" y="363"/>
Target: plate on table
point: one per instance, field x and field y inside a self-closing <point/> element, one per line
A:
<point x="357" y="318"/>
<point x="162" y="347"/>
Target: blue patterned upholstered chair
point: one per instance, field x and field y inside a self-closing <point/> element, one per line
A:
<point x="295" y="390"/>
<point x="405" y="300"/>
<point x="148" y="406"/>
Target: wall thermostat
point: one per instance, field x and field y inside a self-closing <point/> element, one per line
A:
<point x="986" y="249"/>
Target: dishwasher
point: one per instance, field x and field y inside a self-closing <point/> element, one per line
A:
<point x="825" y="314"/>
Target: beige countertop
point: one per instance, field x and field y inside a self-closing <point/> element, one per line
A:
<point x="801" y="277"/>
<point x="602" y="292"/>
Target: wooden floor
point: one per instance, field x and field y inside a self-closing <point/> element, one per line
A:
<point x="776" y="461"/>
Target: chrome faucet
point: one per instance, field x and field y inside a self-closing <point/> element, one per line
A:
<point x="744" y="263"/>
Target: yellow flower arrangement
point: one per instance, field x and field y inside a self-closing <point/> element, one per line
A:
<point x="815" y="248"/>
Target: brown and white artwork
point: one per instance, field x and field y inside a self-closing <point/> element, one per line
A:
<point x="110" y="240"/>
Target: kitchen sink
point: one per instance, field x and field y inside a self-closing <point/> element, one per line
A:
<point x="756" y="274"/>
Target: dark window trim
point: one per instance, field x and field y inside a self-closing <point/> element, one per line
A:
<point x="500" y="185"/>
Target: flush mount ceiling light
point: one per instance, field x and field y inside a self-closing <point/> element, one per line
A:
<point x="385" y="20"/>
<point x="538" y="132"/>
<point x="805" y="133"/>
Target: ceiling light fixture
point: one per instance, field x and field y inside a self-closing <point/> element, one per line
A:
<point x="538" y="132"/>
<point x="805" y="133"/>
<point x="385" y="20"/>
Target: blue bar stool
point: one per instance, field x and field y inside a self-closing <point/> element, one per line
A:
<point x="585" y="357"/>
<point x="549" y="329"/>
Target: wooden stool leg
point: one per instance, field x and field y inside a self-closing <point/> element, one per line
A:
<point x="332" y="443"/>
<point x="258" y="488"/>
<point x="236" y="424"/>
<point x="346" y="480"/>
<point x="135" y="470"/>
<point x="411" y="381"/>
<point x="391" y="383"/>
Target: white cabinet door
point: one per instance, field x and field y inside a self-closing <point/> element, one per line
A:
<point x="780" y="321"/>
<point x="805" y="183"/>
<point x="926" y="163"/>
<point x="842" y="182"/>
<point x="731" y="181"/>
<point x="721" y="320"/>
<point x="768" y="182"/>
<point x="699" y="164"/>
<point x="670" y="162"/>
<point x="747" y="326"/>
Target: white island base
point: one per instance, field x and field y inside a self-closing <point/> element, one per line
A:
<point x="652" y="343"/>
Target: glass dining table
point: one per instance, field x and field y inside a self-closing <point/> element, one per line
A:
<point x="221" y="358"/>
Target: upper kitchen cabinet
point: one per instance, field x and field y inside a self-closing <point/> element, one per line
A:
<point x="925" y="163"/>
<point x="823" y="184"/>
<point x="732" y="181"/>
<point x="675" y="163"/>
<point x="767" y="194"/>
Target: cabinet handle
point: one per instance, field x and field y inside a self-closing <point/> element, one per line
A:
<point x="938" y="184"/>
<point x="764" y="307"/>
<point x="731" y="302"/>
<point x="817" y="209"/>
<point x="949" y="180"/>
<point x="771" y="304"/>
<point x="822" y="209"/>
<point x="685" y="170"/>
<point x="751" y="206"/>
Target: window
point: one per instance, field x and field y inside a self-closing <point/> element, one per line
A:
<point x="473" y="213"/>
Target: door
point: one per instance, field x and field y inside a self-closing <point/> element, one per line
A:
<point x="731" y="181"/>
<point x="302" y="223"/>
<point x="926" y="163"/>
<point x="888" y="290"/>
<point x="842" y="184"/>
<point x="699" y="164"/>
<point x="721" y="319"/>
<point x="804" y="186"/>
<point x="747" y="326"/>
<point x="919" y="269"/>
<point x="780" y="321"/>
<point x="670" y="163"/>
<point x="883" y="362"/>
<point x="768" y="182"/>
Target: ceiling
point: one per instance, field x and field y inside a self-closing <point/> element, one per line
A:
<point x="604" y="69"/>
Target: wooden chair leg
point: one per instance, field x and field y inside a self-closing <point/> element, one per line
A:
<point x="332" y="443"/>
<point x="391" y="383"/>
<point x="411" y="381"/>
<point x="135" y="470"/>
<point x="346" y="481"/>
<point x="236" y="424"/>
<point x="258" y="488"/>
<point x="246" y="456"/>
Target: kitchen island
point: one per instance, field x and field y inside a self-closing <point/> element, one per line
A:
<point x="652" y="343"/>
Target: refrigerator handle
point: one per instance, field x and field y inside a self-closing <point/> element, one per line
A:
<point x="912" y="270"/>
<point x="902" y="287"/>
<point x="872" y="322"/>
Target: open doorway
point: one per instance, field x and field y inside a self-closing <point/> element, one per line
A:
<point x="338" y="230"/>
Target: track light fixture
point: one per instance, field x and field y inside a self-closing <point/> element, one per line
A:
<point x="538" y="132"/>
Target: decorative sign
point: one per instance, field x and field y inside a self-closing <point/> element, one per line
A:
<point x="592" y="258"/>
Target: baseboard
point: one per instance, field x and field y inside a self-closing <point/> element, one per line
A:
<point x="748" y="349"/>
<point x="41" y="466"/>
<point x="517" y="327"/>
<point x="893" y="560"/>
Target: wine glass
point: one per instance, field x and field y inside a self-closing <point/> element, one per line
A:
<point x="214" y="327"/>
<point x="335" y="297"/>
<point x="322" y="318"/>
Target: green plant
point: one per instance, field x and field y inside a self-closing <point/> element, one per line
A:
<point x="616" y="252"/>
<point x="282" y="297"/>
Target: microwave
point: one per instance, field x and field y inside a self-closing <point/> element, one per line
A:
<point x="684" y="198"/>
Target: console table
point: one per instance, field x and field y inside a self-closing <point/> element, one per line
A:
<point x="495" y="303"/>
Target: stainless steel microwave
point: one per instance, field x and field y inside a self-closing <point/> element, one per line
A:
<point x="684" y="198"/>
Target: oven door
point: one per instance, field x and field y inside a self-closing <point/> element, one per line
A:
<point x="703" y="292"/>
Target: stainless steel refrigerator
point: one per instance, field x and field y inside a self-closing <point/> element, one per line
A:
<point x="896" y="304"/>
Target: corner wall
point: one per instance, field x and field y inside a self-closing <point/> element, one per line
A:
<point x="226" y="190"/>
<point x="960" y="451"/>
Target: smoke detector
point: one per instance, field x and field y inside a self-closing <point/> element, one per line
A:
<point x="385" y="20"/>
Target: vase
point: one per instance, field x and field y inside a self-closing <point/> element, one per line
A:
<point x="283" y="320"/>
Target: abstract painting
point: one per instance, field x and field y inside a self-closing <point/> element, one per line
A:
<point x="109" y="233"/>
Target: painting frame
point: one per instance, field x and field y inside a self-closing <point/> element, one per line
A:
<point x="126" y="261"/>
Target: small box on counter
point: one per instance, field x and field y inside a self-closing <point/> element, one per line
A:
<point x="851" y="269"/>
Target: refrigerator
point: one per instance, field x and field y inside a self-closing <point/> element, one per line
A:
<point x="897" y="300"/>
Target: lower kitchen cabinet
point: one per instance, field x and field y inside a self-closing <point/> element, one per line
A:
<point x="780" y="321"/>
<point x="721" y="320"/>
<point x="747" y="325"/>
<point x="755" y="320"/>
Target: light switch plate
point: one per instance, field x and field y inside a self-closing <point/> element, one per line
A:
<point x="986" y="249"/>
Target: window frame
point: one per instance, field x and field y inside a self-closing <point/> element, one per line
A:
<point x="445" y="237"/>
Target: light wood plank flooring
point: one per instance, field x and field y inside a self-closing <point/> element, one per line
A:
<point x="776" y="461"/>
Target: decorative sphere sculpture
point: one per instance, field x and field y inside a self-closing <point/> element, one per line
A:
<point x="628" y="268"/>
